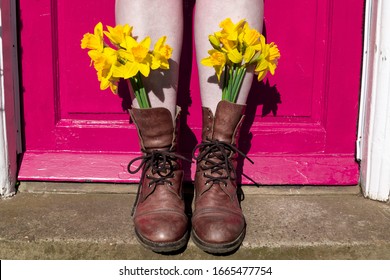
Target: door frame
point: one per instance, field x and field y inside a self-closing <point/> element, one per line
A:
<point x="373" y="143"/>
<point x="10" y="139"/>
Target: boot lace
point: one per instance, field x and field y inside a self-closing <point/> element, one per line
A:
<point x="216" y="156"/>
<point x="162" y="164"/>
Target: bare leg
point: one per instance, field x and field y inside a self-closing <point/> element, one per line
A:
<point x="209" y="13"/>
<point x="156" y="18"/>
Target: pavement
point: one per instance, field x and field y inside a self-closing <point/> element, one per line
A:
<point x="92" y="221"/>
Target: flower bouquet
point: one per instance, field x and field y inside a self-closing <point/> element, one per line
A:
<point x="122" y="56"/>
<point x="236" y="47"/>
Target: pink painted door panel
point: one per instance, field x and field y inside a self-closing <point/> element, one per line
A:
<point x="300" y="126"/>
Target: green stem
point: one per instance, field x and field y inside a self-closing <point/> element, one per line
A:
<point x="238" y="79"/>
<point x="225" y="82"/>
<point x="230" y="84"/>
<point x="135" y="89"/>
<point x="142" y="91"/>
<point x="233" y="78"/>
<point x="139" y="91"/>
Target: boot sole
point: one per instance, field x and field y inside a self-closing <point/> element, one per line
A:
<point x="218" y="248"/>
<point x="163" y="247"/>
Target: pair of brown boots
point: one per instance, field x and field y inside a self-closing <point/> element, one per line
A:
<point x="160" y="221"/>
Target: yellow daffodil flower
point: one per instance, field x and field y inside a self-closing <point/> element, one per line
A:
<point x="235" y="48"/>
<point x="268" y="61"/>
<point x="123" y="57"/>
<point x="231" y="50"/>
<point x="228" y="45"/>
<point x="126" y="70"/>
<point x="136" y="57"/>
<point x="217" y="60"/>
<point x="94" y="41"/>
<point x="251" y="42"/>
<point x="251" y="38"/>
<point x="104" y="63"/>
<point x="274" y="53"/>
<point x="161" y="54"/>
<point x="230" y="30"/>
<point x="117" y="35"/>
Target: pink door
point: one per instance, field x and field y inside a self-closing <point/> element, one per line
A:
<point x="300" y="126"/>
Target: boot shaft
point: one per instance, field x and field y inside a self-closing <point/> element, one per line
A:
<point x="159" y="163"/>
<point x="225" y="125"/>
<point x="156" y="129"/>
<point x="217" y="158"/>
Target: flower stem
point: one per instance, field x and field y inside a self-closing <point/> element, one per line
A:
<point x="238" y="79"/>
<point x="225" y="83"/>
<point x="139" y="91"/>
<point x="230" y="84"/>
<point x="233" y="78"/>
<point x="142" y="93"/>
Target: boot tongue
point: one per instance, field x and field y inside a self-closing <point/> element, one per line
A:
<point x="227" y="118"/>
<point x="155" y="127"/>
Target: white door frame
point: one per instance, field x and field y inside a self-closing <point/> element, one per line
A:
<point x="10" y="142"/>
<point x="373" y="140"/>
<point x="373" y="143"/>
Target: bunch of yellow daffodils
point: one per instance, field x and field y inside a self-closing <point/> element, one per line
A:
<point x="235" y="48"/>
<point x="124" y="57"/>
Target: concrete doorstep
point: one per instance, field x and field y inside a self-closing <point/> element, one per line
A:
<point x="92" y="221"/>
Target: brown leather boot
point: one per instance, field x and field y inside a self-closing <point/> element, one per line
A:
<point x="159" y="216"/>
<point x="218" y="225"/>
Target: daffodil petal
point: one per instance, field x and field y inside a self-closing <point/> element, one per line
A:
<point x="114" y="88"/>
<point x="218" y="71"/>
<point x="125" y="71"/>
<point x="249" y="54"/>
<point x="144" y="69"/>
<point x="206" y="62"/>
<point x="261" y="75"/>
<point x="160" y="43"/>
<point x="235" y="56"/>
<point x="98" y="30"/>
<point x="104" y="83"/>
<point x="146" y="42"/>
<point x="214" y="41"/>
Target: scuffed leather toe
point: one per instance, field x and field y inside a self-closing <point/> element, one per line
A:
<point x="162" y="227"/>
<point x="218" y="228"/>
